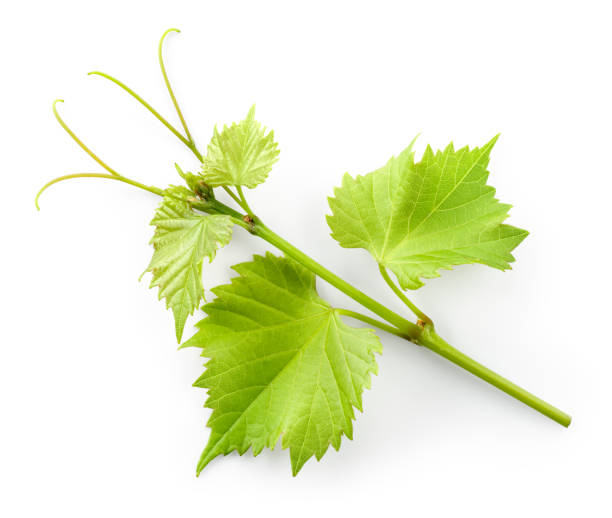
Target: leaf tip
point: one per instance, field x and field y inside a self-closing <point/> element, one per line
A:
<point x="204" y="461"/>
<point x="413" y="141"/>
<point x="179" y="334"/>
<point x="179" y="324"/>
<point x="251" y="115"/>
<point x="489" y="145"/>
<point x="295" y="468"/>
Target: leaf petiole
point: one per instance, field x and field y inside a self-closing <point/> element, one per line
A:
<point x="422" y="316"/>
<point x="243" y="203"/>
<point x="232" y="195"/>
<point x="372" y="322"/>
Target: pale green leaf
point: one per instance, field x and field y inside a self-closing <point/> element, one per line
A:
<point x="419" y="218"/>
<point x="242" y="154"/>
<point x="196" y="184"/>
<point x="282" y="363"/>
<point x="182" y="240"/>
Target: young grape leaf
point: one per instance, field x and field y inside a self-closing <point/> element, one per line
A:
<point x="418" y="218"/>
<point x="282" y="363"/>
<point x="182" y="240"/>
<point x="242" y="154"/>
<point x="196" y="184"/>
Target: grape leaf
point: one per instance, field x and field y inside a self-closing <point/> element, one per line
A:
<point x="182" y="240"/>
<point x="242" y="154"/>
<point x="281" y="363"/>
<point x="418" y="218"/>
<point x="196" y="184"/>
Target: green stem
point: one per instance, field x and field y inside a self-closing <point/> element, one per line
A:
<point x="402" y="297"/>
<point x="424" y="336"/>
<point x="436" y="344"/>
<point x="372" y="322"/>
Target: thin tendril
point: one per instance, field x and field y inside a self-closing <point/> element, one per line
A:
<point x="79" y="142"/>
<point x="145" y="104"/>
<point x="167" y="81"/>
<point x="154" y="190"/>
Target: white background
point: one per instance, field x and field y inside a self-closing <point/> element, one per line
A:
<point x="98" y="414"/>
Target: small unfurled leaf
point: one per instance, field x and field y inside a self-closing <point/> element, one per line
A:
<point x="196" y="183"/>
<point x="182" y="240"/>
<point x="242" y="154"/>
<point x="419" y="218"/>
<point x="282" y="363"/>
